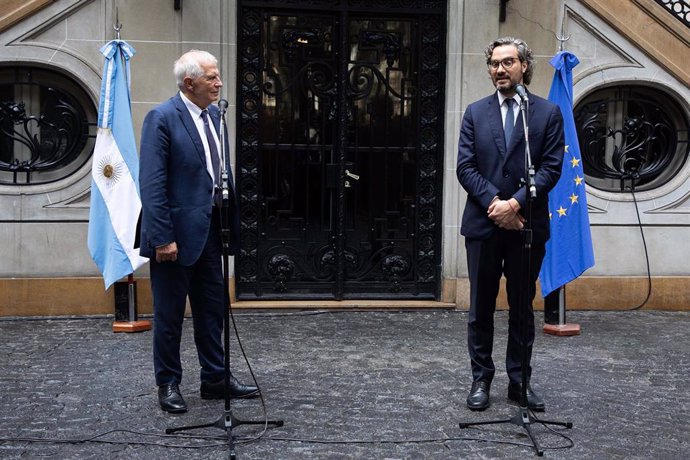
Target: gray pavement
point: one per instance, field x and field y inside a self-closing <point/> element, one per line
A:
<point x="362" y="385"/>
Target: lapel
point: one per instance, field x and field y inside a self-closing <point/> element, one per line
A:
<point x="496" y="123"/>
<point x="190" y="127"/>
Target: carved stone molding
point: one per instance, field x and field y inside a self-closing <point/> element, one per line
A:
<point x="662" y="38"/>
<point x="13" y="11"/>
<point x="679" y="206"/>
<point x="618" y="57"/>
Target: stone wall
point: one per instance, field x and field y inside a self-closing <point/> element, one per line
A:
<point x="44" y="227"/>
<point x="607" y="57"/>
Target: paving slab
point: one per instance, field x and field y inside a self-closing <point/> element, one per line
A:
<point x="349" y="385"/>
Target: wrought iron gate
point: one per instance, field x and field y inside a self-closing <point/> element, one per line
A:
<point x="339" y="148"/>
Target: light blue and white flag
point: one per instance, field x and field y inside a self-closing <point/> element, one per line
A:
<point x="115" y="199"/>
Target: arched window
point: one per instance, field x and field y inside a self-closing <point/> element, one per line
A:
<point x="631" y="136"/>
<point x="47" y="125"/>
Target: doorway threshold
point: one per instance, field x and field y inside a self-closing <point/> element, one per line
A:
<point x="353" y="304"/>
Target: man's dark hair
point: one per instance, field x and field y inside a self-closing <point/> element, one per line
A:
<point x="524" y="54"/>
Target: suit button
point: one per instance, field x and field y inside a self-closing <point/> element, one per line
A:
<point x="506" y="173"/>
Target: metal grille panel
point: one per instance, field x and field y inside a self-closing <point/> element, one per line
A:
<point x="339" y="150"/>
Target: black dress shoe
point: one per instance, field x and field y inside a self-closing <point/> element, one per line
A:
<point x="170" y="399"/>
<point x="215" y="390"/>
<point x="478" y="399"/>
<point x="534" y="401"/>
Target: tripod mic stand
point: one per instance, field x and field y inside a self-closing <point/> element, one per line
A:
<point x="227" y="420"/>
<point x="525" y="418"/>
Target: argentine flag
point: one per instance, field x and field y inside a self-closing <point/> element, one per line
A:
<point x="115" y="200"/>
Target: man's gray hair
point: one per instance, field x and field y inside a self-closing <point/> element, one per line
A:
<point x="524" y="54"/>
<point x="188" y="65"/>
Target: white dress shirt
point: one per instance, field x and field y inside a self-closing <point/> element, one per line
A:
<point x="195" y="112"/>
<point x="504" y="107"/>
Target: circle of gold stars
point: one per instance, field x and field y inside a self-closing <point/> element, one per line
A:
<point x="574" y="162"/>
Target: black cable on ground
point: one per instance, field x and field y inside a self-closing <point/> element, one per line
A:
<point x="96" y="439"/>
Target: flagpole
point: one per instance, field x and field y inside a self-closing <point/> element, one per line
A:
<point x="562" y="328"/>
<point x="569" y="250"/>
<point x="556" y="300"/>
<point x="133" y="323"/>
<point x="115" y="202"/>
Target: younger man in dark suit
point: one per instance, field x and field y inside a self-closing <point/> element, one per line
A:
<point x="491" y="158"/>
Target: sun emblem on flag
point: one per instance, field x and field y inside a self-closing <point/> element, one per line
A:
<point x="110" y="171"/>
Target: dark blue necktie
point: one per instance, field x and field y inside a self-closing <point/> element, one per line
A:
<point x="510" y="122"/>
<point x="215" y="158"/>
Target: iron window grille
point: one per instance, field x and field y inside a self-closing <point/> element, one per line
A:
<point x="631" y="136"/>
<point x="47" y="126"/>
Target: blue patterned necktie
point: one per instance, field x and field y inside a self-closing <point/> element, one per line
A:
<point x="215" y="159"/>
<point x="510" y="122"/>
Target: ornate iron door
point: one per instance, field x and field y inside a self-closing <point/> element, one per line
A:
<point x="339" y="138"/>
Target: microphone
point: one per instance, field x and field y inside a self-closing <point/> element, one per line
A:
<point x="522" y="92"/>
<point x="223" y="105"/>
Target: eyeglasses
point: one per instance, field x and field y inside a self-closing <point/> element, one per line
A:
<point x="507" y="63"/>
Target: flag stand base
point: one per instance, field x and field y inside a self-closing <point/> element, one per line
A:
<point x="554" y="315"/>
<point x="131" y="326"/>
<point x="126" y="319"/>
<point x="562" y="329"/>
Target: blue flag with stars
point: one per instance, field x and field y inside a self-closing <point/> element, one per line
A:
<point x="569" y="250"/>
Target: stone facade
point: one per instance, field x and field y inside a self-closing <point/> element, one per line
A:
<point x="44" y="227"/>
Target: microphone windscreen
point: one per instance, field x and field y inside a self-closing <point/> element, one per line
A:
<point x="521" y="91"/>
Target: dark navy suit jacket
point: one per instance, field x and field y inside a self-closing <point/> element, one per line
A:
<point x="176" y="189"/>
<point x="487" y="168"/>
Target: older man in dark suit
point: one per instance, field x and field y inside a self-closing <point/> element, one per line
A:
<point x="491" y="159"/>
<point x="180" y="232"/>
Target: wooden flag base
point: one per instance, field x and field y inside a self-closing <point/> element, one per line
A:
<point x="126" y="308"/>
<point x="131" y="326"/>
<point x="562" y="329"/>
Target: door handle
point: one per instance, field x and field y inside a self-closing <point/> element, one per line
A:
<point x="349" y="174"/>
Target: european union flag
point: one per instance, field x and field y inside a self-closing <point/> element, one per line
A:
<point x="569" y="250"/>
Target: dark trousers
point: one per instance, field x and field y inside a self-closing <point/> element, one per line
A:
<point x="171" y="284"/>
<point x="487" y="261"/>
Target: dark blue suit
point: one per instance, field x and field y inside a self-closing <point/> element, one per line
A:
<point x="178" y="206"/>
<point x="487" y="168"/>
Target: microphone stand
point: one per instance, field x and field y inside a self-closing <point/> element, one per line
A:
<point x="525" y="417"/>
<point x="227" y="421"/>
